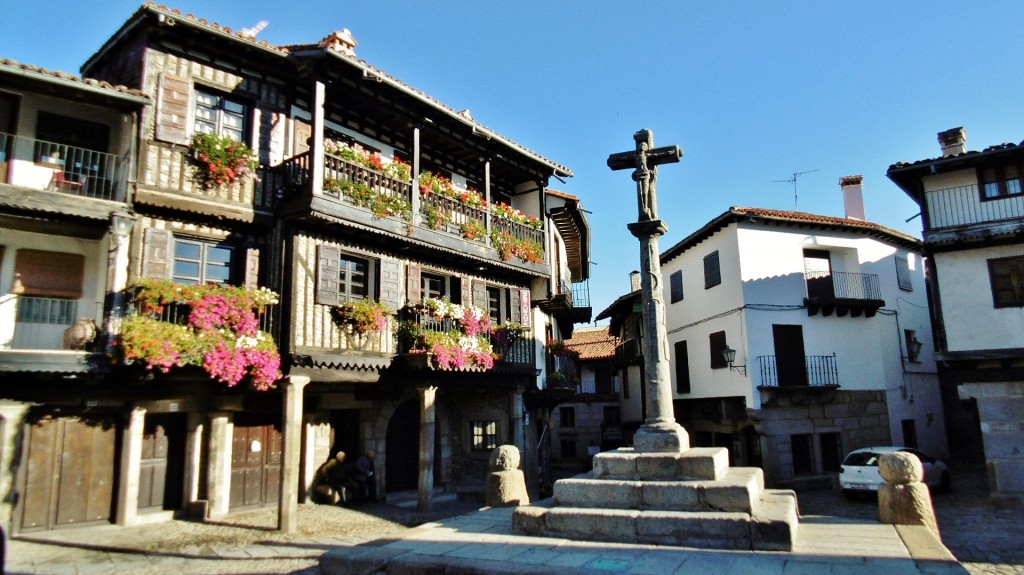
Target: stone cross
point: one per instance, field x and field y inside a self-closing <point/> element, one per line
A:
<point x="660" y="433"/>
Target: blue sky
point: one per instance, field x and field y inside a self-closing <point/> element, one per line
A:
<point x="752" y="91"/>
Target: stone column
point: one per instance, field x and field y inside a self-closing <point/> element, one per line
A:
<point x="287" y="510"/>
<point x="131" y="464"/>
<point x="516" y="407"/>
<point x="117" y="274"/>
<point x="12" y="416"/>
<point x="218" y="478"/>
<point x="425" y="496"/>
<point x="193" y="457"/>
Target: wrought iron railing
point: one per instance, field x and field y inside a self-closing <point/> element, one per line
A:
<point x="57" y="167"/>
<point x="511" y="350"/>
<point x="842" y="285"/>
<point x="39" y="322"/>
<point x="581" y="294"/>
<point x="962" y="205"/>
<point x="813" y="371"/>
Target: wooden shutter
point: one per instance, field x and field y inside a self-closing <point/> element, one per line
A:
<point x="525" y="315"/>
<point x="48" y="274"/>
<point x="252" y="268"/>
<point x="412" y="284"/>
<point x="390" y="283"/>
<point x="172" y="109"/>
<point x="158" y="254"/>
<point x="480" y="295"/>
<point x="513" y="305"/>
<point x="676" y="281"/>
<point x="327" y="275"/>
<point x="303" y="132"/>
<point x="467" y="291"/>
<point x="682" y="367"/>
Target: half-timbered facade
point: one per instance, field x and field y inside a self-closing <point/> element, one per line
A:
<point x="362" y="193"/>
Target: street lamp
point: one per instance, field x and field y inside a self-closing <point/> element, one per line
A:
<point x="729" y="354"/>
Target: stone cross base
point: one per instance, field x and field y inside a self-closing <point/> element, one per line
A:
<point x="688" y="498"/>
<point x="661" y="438"/>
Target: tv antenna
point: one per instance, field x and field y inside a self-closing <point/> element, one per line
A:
<point x="252" y="32"/>
<point x="792" y="180"/>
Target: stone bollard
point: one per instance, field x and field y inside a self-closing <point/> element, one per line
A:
<point x="903" y="499"/>
<point x="506" y="485"/>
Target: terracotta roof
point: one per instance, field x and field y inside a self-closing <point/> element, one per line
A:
<point x="380" y="74"/>
<point x="763" y="215"/>
<point x="559" y="194"/>
<point x="965" y="155"/>
<point x="11" y="66"/>
<point x="593" y="342"/>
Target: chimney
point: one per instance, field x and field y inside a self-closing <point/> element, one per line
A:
<point x="953" y="142"/>
<point x="634" y="281"/>
<point x="853" y="196"/>
<point x="341" y="41"/>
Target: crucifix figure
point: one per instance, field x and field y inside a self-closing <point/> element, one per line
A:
<point x="660" y="433"/>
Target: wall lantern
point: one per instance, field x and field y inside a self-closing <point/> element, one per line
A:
<point x="729" y="354"/>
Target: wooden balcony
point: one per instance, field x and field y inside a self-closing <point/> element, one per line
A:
<point x="396" y="206"/>
<point x="842" y="293"/>
<point x="570" y="304"/>
<point x="41" y="165"/>
<point x="959" y="212"/>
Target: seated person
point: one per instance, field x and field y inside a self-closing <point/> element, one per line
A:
<point x="333" y="482"/>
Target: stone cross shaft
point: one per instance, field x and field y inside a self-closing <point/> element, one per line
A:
<point x="660" y="432"/>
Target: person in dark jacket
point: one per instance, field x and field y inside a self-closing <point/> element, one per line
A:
<point x="333" y="481"/>
<point x="364" y="477"/>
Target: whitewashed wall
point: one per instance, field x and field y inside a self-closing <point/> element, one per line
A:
<point x="972" y="322"/>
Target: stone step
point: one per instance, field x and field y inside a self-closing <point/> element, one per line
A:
<point x="738" y="489"/>
<point x="771" y="527"/>
<point x="693" y="463"/>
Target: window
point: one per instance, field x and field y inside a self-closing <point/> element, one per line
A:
<point x="712" y="270"/>
<point x="903" y="277"/>
<point x="344" y="277"/>
<point x="909" y="433"/>
<point x="433" y="286"/>
<point x="353" y="278"/>
<point x="999" y="181"/>
<point x="803" y="453"/>
<point x="568" y="447"/>
<point x="201" y="262"/>
<point x="912" y="346"/>
<point x="682" y="368"/>
<point x="717" y="345"/>
<point x="216" y="114"/>
<point x="48" y="274"/>
<point x="1007" y="278"/>
<point x="676" y="282"/>
<point x="567" y="417"/>
<point x="494" y="304"/>
<point x="485" y="435"/>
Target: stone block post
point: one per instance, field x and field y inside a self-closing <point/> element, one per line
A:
<point x="903" y="499"/>
<point x="288" y="502"/>
<point x="131" y="465"/>
<point x="218" y="478"/>
<point x="428" y="416"/>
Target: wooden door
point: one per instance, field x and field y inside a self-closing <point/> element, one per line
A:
<point x="790" y="362"/>
<point x="69" y="475"/>
<point x="256" y="454"/>
<point x="161" y="472"/>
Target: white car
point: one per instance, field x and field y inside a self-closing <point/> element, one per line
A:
<point x="859" y="471"/>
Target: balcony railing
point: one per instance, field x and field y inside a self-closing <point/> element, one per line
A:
<point x="581" y="294"/>
<point x="519" y="352"/>
<point x="339" y="169"/>
<point x="56" y="167"/>
<point x="40" y="322"/>
<point x="813" y="371"/>
<point x="842" y="285"/>
<point x="962" y="206"/>
<point x="177" y="314"/>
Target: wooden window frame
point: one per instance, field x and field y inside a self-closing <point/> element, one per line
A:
<point x="219" y="126"/>
<point x="682" y="365"/>
<point x="204" y="247"/>
<point x="676" y="286"/>
<point x="481" y="437"/>
<point x="1003" y="273"/>
<point x="712" y="270"/>
<point x="717" y="343"/>
<point x="1000" y="180"/>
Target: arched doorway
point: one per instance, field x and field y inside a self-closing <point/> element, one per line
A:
<point x="403" y="448"/>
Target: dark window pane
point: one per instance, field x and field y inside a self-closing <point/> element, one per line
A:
<point x="676" y="281"/>
<point x="712" y="271"/>
<point x="718" y="344"/>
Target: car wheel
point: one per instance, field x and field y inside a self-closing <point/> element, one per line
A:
<point x="946" y="483"/>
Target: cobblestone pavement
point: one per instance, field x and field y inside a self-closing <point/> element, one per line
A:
<point x="986" y="540"/>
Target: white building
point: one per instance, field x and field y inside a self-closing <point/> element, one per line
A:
<point x="972" y="208"/>
<point x="828" y="320"/>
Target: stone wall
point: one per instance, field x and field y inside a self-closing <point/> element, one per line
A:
<point x="1001" y="411"/>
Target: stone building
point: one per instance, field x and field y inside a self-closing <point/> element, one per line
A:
<point x="972" y="213"/>
<point x="366" y="198"/>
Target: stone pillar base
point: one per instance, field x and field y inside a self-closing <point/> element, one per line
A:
<point x="667" y="437"/>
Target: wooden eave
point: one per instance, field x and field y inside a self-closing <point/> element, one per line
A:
<point x="63" y="86"/>
<point x="35" y="210"/>
<point x="572" y="226"/>
<point x="148" y="199"/>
